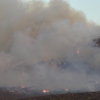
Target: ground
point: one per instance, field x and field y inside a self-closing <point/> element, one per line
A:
<point x="10" y="95"/>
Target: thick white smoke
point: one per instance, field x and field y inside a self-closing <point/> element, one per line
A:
<point x="47" y="46"/>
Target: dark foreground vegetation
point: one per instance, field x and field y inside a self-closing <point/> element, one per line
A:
<point x="69" y="96"/>
<point x="6" y="95"/>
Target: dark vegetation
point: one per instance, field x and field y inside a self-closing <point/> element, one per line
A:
<point x="97" y="42"/>
<point x="69" y="96"/>
<point x="6" y="95"/>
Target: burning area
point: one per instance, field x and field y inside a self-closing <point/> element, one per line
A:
<point x="48" y="46"/>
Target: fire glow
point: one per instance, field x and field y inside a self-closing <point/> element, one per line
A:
<point x="78" y="51"/>
<point x="67" y="89"/>
<point x="45" y="91"/>
<point x="22" y="87"/>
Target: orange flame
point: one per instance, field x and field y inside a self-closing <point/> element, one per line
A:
<point x="45" y="91"/>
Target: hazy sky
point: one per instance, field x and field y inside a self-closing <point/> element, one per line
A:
<point x="89" y="7"/>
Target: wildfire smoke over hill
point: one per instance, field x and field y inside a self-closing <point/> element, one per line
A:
<point x="48" y="46"/>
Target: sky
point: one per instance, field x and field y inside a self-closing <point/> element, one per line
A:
<point x="89" y="7"/>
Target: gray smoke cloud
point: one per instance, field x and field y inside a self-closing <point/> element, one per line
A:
<point x="48" y="46"/>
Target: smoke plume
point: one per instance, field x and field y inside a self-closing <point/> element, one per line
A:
<point x="48" y="46"/>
